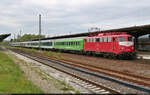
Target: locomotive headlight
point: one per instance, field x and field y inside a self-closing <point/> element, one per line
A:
<point x="122" y="48"/>
<point x="132" y="48"/>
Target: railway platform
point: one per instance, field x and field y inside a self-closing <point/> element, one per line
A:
<point x="143" y="56"/>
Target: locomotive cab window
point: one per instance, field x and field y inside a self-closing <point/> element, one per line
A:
<point x="130" y="38"/>
<point x="121" y="39"/>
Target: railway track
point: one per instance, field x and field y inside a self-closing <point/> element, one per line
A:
<point x="93" y="86"/>
<point x="145" y="81"/>
<point x="128" y="77"/>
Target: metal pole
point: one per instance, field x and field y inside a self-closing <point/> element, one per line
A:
<point x="20" y="35"/>
<point x="20" y="32"/>
<point x="39" y="30"/>
<point x="14" y="37"/>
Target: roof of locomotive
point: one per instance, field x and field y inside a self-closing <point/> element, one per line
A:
<point x="109" y="35"/>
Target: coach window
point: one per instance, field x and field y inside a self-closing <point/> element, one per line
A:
<point x="109" y="39"/>
<point x="93" y="40"/>
<point x="97" y="40"/>
<point x="78" y="43"/>
<point x="102" y="39"/>
<point x="87" y="40"/>
<point x="90" y="40"/>
<point x="74" y="43"/>
<point x="105" y="39"/>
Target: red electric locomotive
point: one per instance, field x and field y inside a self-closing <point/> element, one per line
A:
<point x="115" y="44"/>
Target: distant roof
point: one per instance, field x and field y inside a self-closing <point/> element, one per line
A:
<point x="3" y="36"/>
<point x="145" y="36"/>
<point x="134" y="30"/>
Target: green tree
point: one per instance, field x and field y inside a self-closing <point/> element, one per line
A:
<point x="4" y="43"/>
<point x="29" y="37"/>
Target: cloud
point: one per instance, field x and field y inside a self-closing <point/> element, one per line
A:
<point x="75" y="16"/>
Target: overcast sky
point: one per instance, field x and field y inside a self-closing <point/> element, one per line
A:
<point x="61" y="17"/>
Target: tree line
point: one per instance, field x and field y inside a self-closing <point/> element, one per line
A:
<point x="27" y="37"/>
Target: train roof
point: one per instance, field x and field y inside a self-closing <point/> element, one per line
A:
<point x="110" y="34"/>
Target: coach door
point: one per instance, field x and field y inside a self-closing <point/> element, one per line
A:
<point x="97" y="44"/>
<point x="115" y="42"/>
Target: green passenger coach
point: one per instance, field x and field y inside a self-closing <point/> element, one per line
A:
<point x="77" y="45"/>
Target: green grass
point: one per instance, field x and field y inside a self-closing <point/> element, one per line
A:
<point x="12" y="79"/>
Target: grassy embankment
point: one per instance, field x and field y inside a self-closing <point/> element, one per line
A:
<point x="44" y="52"/>
<point x="12" y="79"/>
